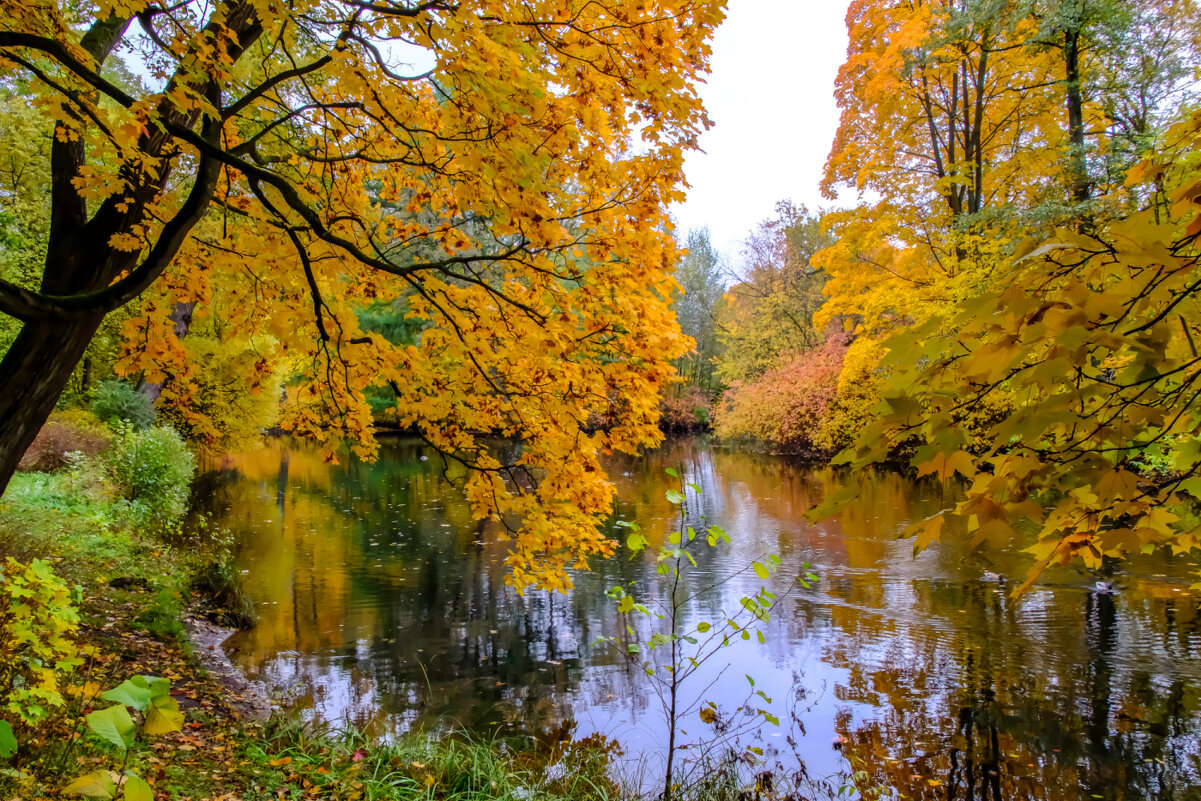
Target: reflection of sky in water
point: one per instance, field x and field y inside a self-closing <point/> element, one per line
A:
<point x="380" y="600"/>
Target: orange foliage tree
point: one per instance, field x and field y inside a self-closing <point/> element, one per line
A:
<point x="948" y="124"/>
<point x="1069" y="399"/>
<point x="788" y="405"/>
<point x="509" y="191"/>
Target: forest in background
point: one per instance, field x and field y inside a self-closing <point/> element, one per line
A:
<point x="967" y="131"/>
<point x="1011" y="299"/>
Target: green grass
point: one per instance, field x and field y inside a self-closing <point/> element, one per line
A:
<point x="289" y="757"/>
<point x="73" y="519"/>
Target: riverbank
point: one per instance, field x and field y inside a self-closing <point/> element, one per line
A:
<point x="136" y="617"/>
<point x="140" y="613"/>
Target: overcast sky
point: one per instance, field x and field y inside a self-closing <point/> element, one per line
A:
<point x="771" y="99"/>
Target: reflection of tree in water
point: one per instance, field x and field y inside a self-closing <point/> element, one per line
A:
<point x="381" y="599"/>
<point x="980" y="715"/>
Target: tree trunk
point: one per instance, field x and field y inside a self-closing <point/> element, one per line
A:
<point x="1075" y="102"/>
<point x="33" y="374"/>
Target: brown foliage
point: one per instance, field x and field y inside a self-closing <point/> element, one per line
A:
<point x="685" y="410"/>
<point x="62" y="435"/>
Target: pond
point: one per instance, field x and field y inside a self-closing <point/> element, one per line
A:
<point x="380" y="601"/>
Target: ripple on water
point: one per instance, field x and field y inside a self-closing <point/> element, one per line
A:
<point x="382" y="601"/>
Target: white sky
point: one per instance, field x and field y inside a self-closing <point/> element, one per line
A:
<point x="771" y="99"/>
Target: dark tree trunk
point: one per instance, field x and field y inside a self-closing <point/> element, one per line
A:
<point x="33" y="374"/>
<point x="1075" y="101"/>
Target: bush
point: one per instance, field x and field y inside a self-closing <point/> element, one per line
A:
<point x="37" y="621"/>
<point x="116" y="401"/>
<point x="687" y="410"/>
<point x="61" y="436"/>
<point x="154" y="468"/>
<point x="790" y="405"/>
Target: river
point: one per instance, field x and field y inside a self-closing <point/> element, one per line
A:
<point x="380" y="601"/>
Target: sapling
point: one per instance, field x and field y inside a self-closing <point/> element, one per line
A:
<point x="690" y="644"/>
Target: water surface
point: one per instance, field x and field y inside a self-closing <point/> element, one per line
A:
<point x="381" y="601"/>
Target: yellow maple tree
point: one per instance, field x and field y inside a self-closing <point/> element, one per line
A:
<point x="499" y="168"/>
<point x="1086" y="368"/>
<point x="949" y="126"/>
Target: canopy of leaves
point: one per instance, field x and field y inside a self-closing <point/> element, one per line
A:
<point x="286" y="165"/>
<point x="1052" y="396"/>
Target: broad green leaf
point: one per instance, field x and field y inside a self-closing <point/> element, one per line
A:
<point x="636" y="542"/>
<point x="159" y="688"/>
<point x="675" y="496"/>
<point x="702" y="627"/>
<point x="133" y="692"/>
<point x="136" y="788"/>
<point x="671" y="471"/>
<point x="761" y="571"/>
<point x="113" y="725"/>
<point x="8" y="741"/>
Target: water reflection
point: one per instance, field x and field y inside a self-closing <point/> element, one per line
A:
<point x="381" y="601"/>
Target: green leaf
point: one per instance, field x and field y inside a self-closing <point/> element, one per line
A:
<point x="671" y="471"/>
<point x="626" y="604"/>
<point x="133" y="692"/>
<point x="159" y="688"/>
<point x="632" y="648"/>
<point x="136" y="788"/>
<point x="8" y="741"/>
<point x="702" y="627"/>
<point x="675" y="496"/>
<point x="113" y="725"/>
<point x="761" y="571"/>
<point x="97" y="785"/>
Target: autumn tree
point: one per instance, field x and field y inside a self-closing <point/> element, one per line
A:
<point x="944" y="127"/>
<point x="1132" y="62"/>
<point x="967" y="127"/>
<point x="1068" y="399"/>
<point x="511" y="187"/>
<point x="768" y="313"/>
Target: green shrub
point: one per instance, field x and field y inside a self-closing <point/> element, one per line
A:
<point x="115" y="401"/>
<point x="154" y="468"/>
<point x="38" y="619"/>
